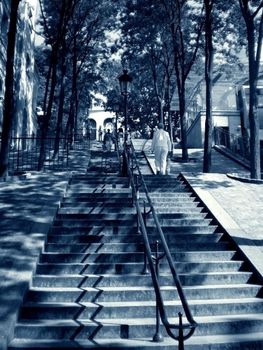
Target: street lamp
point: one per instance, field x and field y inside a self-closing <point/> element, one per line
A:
<point x="125" y="82"/>
<point x="116" y="109"/>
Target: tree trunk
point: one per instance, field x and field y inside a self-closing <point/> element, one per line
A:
<point x="254" y="53"/>
<point x="183" y="122"/>
<point x="47" y="116"/>
<point x="244" y="127"/>
<point x="255" y="171"/>
<point x="8" y="112"/>
<point x="54" y="60"/>
<point x="208" y="79"/>
<point x="72" y="123"/>
<point x="61" y="102"/>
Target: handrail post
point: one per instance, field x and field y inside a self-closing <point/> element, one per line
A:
<point x="137" y="194"/>
<point x="145" y="270"/>
<point x="18" y="155"/>
<point x="157" y="338"/>
<point x="181" y="333"/>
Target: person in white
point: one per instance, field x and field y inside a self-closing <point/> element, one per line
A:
<point x="161" y="145"/>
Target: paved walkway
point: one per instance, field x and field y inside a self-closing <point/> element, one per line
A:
<point x="27" y="208"/>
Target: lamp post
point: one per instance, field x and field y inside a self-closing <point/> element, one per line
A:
<point x="116" y="109"/>
<point x="125" y="81"/>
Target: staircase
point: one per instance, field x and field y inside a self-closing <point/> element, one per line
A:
<point x="88" y="290"/>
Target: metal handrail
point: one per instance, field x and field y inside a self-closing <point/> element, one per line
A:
<point x="159" y="299"/>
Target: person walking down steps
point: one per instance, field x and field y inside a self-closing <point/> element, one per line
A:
<point x="108" y="140"/>
<point x="161" y="146"/>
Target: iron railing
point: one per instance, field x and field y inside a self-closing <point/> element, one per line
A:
<point x="233" y="143"/>
<point x="24" y="152"/>
<point x="152" y="259"/>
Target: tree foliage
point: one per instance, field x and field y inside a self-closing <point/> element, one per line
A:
<point x="75" y="31"/>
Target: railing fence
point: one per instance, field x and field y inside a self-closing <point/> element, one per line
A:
<point x="25" y="150"/>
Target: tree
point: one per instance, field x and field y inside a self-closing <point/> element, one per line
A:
<point x="148" y="50"/>
<point x="8" y="112"/>
<point x="55" y="28"/>
<point x="185" y="23"/>
<point x="252" y="12"/>
<point x="208" y="78"/>
<point x="75" y="31"/>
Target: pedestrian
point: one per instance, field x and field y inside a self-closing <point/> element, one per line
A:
<point x="108" y="140"/>
<point x="120" y="139"/>
<point x="161" y="146"/>
<point x="100" y="134"/>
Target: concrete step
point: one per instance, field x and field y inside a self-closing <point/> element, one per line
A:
<point x="101" y="178"/>
<point x="128" y="220"/>
<point x="124" y="230"/>
<point x="118" y="257"/>
<point x="86" y="191"/>
<point x="170" y="195"/>
<point x="107" y="280"/>
<point x="132" y="268"/>
<point x="97" y="186"/>
<point x="123" y="208"/>
<point x="102" y="195"/>
<point x="251" y="341"/>
<point x="95" y="209"/>
<point x="131" y="247"/>
<point x="129" y="309"/>
<point x="131" y="238"/>
<point x="86" y="206"/>
<point x="132" y="328"/>
<point x="104" y="217"/>
<point x="140" y="293"/>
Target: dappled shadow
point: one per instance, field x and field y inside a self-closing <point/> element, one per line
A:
<point x="26" y="214"/>
<point x="208" y="181"/>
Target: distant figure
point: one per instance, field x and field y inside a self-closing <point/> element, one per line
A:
<point x="161" y="145"/>
<point x="100" y="134"/>
<point x="108" y="140"/>
<point x="120" y="139"/>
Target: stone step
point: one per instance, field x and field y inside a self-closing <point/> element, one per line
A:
<point x="76" y="186"/>
<point x="104" y="178"/>
<point x="250" y="341"/>
<point x="96" y="209"/>
<point x="128" y="220"/>
<point x="98" y="196"/>
<point x="132" y="268"/>
<point x="185" y="204"/>
<point x="79" y="217"/>
<point x="85" y="206"/>
<point x="166" y="196"/>
<point x="140" y="293"/>
<point x="165" y="188"/>
<point x="133" y="328"/>
<point x="131" y="247"/>
<point x="125" y="230"/>
<point x="131" y="238"/>
<point x="89" y="280"/>
<point x="123" y="208"/>
<point x="124" y="257"/>
<point x="119" y="309"/>
<point x="86" y="191"/>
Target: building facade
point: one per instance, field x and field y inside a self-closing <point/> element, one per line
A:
<point x="25" y="74"/>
